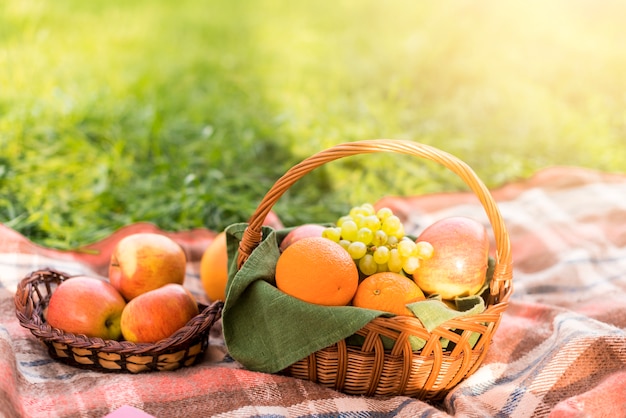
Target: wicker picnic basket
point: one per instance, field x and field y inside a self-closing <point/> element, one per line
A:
<point x="371" y="369"/>
<point x="184" y="348"/>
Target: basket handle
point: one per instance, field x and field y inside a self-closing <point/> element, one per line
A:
<point x="501" y="284"/>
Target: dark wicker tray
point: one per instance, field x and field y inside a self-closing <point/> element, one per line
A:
<point x="184" y="348"/>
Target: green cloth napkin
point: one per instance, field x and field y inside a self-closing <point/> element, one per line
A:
<point x="266" y="330"/>
<point x="432" y="312"/>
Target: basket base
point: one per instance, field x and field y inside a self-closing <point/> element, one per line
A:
<point x="359" y="377"/>
<point x="136" y="363"/>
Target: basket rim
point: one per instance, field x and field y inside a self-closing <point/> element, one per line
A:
<point x="501" y="286"/>
<point x="29" y="314"/>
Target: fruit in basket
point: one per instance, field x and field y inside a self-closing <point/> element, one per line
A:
<point x="317" y="270"/>
<point x="86" y="305"/>
<point x="214" y="262"/>
<point x="158" y="313"/>
<point x="214" y="268"/>
<point x="273" y="220"/>
<point x="299" y="232"/>
<point x="376" y="240"/>
<point x="460" y="259"/>
<point x="388" y="291"/>
<point x="146" y="261"/>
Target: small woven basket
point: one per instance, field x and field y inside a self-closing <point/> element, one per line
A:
<point x="184" y="348"/>
<point x="371" y="369"/>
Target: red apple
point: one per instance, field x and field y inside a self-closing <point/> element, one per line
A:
<point x="299" y="232"/>
<point x="273" y="220"/>
<point x="146" y="261"/>
<point x="459" y="263"/>
<point x="86" y="305"/>
<point x="158" y="313"/>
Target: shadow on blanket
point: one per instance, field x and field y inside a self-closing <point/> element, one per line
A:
<point x="560" y="349"/>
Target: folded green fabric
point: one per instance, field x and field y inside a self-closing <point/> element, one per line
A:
<point x="433" y="312"/>
<point x="267" y="330"/>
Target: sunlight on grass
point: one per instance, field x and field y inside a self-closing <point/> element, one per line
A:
<point x="185" y="113"/>
<point x="510" y="87"/>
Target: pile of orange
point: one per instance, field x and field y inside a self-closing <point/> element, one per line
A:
<point x="318" y="270"/>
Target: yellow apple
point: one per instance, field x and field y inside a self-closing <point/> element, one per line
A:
<point x="146" y="261"/>
<point x="158" y="313"/>
<point x="460" y="258"/>
<point x="86" y="305"/>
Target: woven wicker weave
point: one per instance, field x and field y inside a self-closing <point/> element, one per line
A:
<point x="184" y="348"/>
<point x="370" y="369"/>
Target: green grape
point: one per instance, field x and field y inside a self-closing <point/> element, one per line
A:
<point x="381" y="255"/>
<point x="376" y="240"/>
<point x="399" y="232"/>
<point x="383" y="213"/>
<point x="344" y="243"/>
<point x="424" y="250"/>
<point x="380" y="238"/>
<point x="332" y="233"/>
<point x="410" y="264"/>
<point x="358" y="220"/>
<point x="357" y="250"/>
<point x="368" y="209"/>
<point x="395" y="261"/>
<point x="357" y="210"/>
<point x="372" y="222"/>
<point x="382" y="268"/>
<point x="349" y="230"/>
<point x="406" y="247"/>
<point x="391" y="225"/>
<point x="365" y="235"/>
<point x="367" y="265"/>
<point x="342" y="219"/>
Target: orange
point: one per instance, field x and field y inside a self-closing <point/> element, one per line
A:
<point x="387" y="291"/>
<point x="214" y="268"/>
<point x="317" y="270"/>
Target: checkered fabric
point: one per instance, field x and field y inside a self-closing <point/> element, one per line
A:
<point x="560" y="350"/>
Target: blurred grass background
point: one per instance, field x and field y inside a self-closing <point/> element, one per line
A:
<point x="185" y="113"/>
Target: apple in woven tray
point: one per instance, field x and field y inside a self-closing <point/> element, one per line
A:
<point x="158" y="313"/>
<point x="143" y="301"/>
<point x="460" y="258"/>
<point x="146" y="261"/>
<point x="86" y="305"/>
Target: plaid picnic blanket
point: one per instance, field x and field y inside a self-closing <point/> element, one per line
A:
<point x="560" y="350"/>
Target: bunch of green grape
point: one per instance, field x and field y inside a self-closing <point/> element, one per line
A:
<point x="376" y="240"/>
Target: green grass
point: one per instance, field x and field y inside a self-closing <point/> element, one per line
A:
<point x="185" y="113"/>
